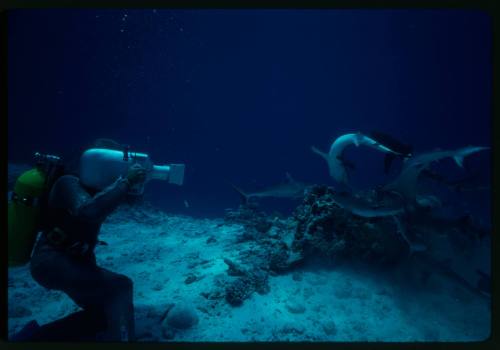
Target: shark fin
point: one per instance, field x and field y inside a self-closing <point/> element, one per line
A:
<point x="244" y="196"/>
<point x="322" y="154"/>
<point x="459" y="159"/>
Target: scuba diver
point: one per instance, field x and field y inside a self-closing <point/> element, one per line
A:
<point x="63" y="257"/>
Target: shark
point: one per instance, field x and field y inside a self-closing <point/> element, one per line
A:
<point x="362" y="207"/>
<point x="369" y="209"/>
<point x="403" y="191"/>
<point x="289" y="189"/>
<point x="457" y="155"/>
<point x="406" y="183"/>
<point x="404" y="150"/>
<point x="335" y="157"/>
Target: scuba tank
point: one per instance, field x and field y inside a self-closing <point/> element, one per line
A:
<point x="25" y="211"/>
<point x="100" y="167"/>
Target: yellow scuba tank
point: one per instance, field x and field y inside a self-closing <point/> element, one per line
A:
<point x="24" y="212"/>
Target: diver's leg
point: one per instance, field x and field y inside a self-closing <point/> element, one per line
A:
<point x="53" y="269"/>
<point x="81" y="325"/>
<point x="92" y="287"/>
<point x="117" y="303"/>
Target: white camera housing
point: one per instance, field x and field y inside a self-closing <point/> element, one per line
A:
<point x="100" y="167"/>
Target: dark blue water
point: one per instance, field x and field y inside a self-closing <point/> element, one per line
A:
<point x="241" y="95"/>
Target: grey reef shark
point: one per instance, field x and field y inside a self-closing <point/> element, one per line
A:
<point x="402" y="150"/>
<point x="335" y="156"/>
<point x="404" y="199"/>
<point x="291" y="189"/>
<point x="362" y="207"/>
<point x="406" y="183"/>
<point x="403" y="189"/>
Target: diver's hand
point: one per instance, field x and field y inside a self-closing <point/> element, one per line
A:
<point x="136" y="174"/>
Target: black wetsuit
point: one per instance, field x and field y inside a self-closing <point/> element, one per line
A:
<point x="104" y="296"/>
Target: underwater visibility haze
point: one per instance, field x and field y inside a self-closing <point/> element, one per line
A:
<point x="320" y="175"/>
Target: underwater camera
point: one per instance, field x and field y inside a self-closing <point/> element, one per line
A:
<point x="100" y="167"/>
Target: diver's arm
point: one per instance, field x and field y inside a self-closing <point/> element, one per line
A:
<point x="106" y="201"/>
<point x="82" y="205"/>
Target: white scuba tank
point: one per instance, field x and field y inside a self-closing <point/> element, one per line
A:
<point x="100" y="167"/>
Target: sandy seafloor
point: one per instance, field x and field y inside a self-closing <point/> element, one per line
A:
<point x="159" y="251"/>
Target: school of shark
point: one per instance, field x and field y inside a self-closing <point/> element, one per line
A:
<point x="400" y="198"/>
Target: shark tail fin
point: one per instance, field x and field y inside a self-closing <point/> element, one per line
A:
<point x="459" y="158"/>
<point x="243" y="195"/>
<point x="322" y="154"/>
